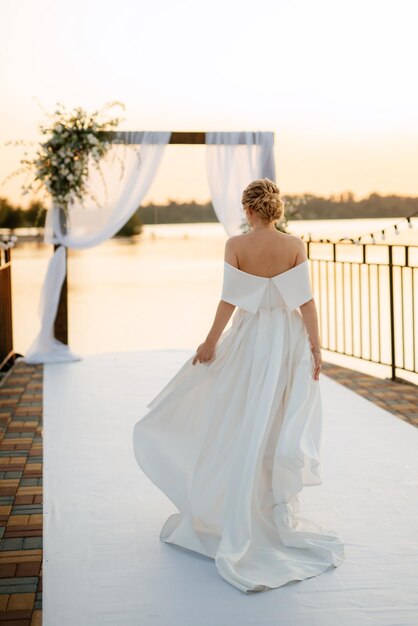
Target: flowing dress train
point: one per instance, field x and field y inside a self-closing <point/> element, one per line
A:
<point x="233" y="441"/>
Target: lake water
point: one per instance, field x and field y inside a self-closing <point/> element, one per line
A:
<point x="158" y="290"/>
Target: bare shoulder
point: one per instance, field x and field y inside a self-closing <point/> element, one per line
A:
<point x="231" y="246"/>
<point x="231" y="241"/>
<point x="299" y="248"/>
<point x="295" y="239"/>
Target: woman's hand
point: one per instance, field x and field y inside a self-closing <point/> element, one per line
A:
<point x="205" y="352"/>
<point x="318" y="362"/>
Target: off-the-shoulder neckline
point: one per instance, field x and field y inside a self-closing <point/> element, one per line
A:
<point x="267" y="277"/>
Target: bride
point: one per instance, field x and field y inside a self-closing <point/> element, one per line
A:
<point x="235" y="435"/>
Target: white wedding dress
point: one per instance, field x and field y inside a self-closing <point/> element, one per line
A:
<point x="233" y="441"/>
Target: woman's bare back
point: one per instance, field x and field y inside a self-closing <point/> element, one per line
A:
<point x="266" y="252"/>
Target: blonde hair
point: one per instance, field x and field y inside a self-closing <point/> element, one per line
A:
<point x="263" y="196"/>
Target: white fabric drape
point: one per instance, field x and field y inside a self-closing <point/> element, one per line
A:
<point x="233" y="160"/>
<point x="128" y="171"/>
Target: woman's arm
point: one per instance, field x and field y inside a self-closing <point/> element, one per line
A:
<point x="310" y="318"/>
<point x="206" y="349"/>
<point x="308" y="309"/>
<point x="223" y="313"/>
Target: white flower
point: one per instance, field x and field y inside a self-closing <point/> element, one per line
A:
<point x="92" y="139"/>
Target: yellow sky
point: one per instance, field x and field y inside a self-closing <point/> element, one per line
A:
<point x="335" y="80"/>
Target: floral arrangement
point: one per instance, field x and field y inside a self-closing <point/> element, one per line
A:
<point x="74" y="140"/>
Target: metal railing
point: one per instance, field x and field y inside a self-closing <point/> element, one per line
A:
<point x="366" y="297"/>
<point x="6" y="330"/>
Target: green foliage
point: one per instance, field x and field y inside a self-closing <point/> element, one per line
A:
<point x="73" y="140"/>
<point x="132" y="227"/>
<point x="16" y="217"/>
<point x="177" y="213"/>
<point x="345" y="206"/>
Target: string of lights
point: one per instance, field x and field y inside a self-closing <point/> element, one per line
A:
<point x="357" y="240"/>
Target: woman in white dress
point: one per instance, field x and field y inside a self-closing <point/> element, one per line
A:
<point x="235" y="435"/>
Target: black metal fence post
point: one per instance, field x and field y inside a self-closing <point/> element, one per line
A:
<point x="392" y="318"/>
<point x="390" y="326"/>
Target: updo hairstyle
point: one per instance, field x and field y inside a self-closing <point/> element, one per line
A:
<point x="263" y="197"/>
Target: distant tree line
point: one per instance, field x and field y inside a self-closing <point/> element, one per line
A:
<point x="16" y="217"/>
<point x="345" y="206"/>
<point x="298" y="206"/>
<point x="177" y="212"/>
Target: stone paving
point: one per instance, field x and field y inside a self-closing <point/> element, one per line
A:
<point x="21" y="496"/>
<point x="21" y="477"/>
<point x="400" y="398"/>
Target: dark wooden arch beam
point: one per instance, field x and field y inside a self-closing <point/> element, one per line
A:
<point x="196" y="138"/>
<point x="183" y="137"/>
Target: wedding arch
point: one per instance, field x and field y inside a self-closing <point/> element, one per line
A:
<point x="233" y="159"/>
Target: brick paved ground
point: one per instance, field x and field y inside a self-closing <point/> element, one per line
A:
<point x="400" y="398"/>
<point x="21" y="496"/>
<point x="21" y="477"/>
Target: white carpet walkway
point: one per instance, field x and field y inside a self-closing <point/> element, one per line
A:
<point x="105" y="565"/>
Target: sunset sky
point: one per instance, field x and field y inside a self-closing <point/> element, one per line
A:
<point x="335" y="80"/>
